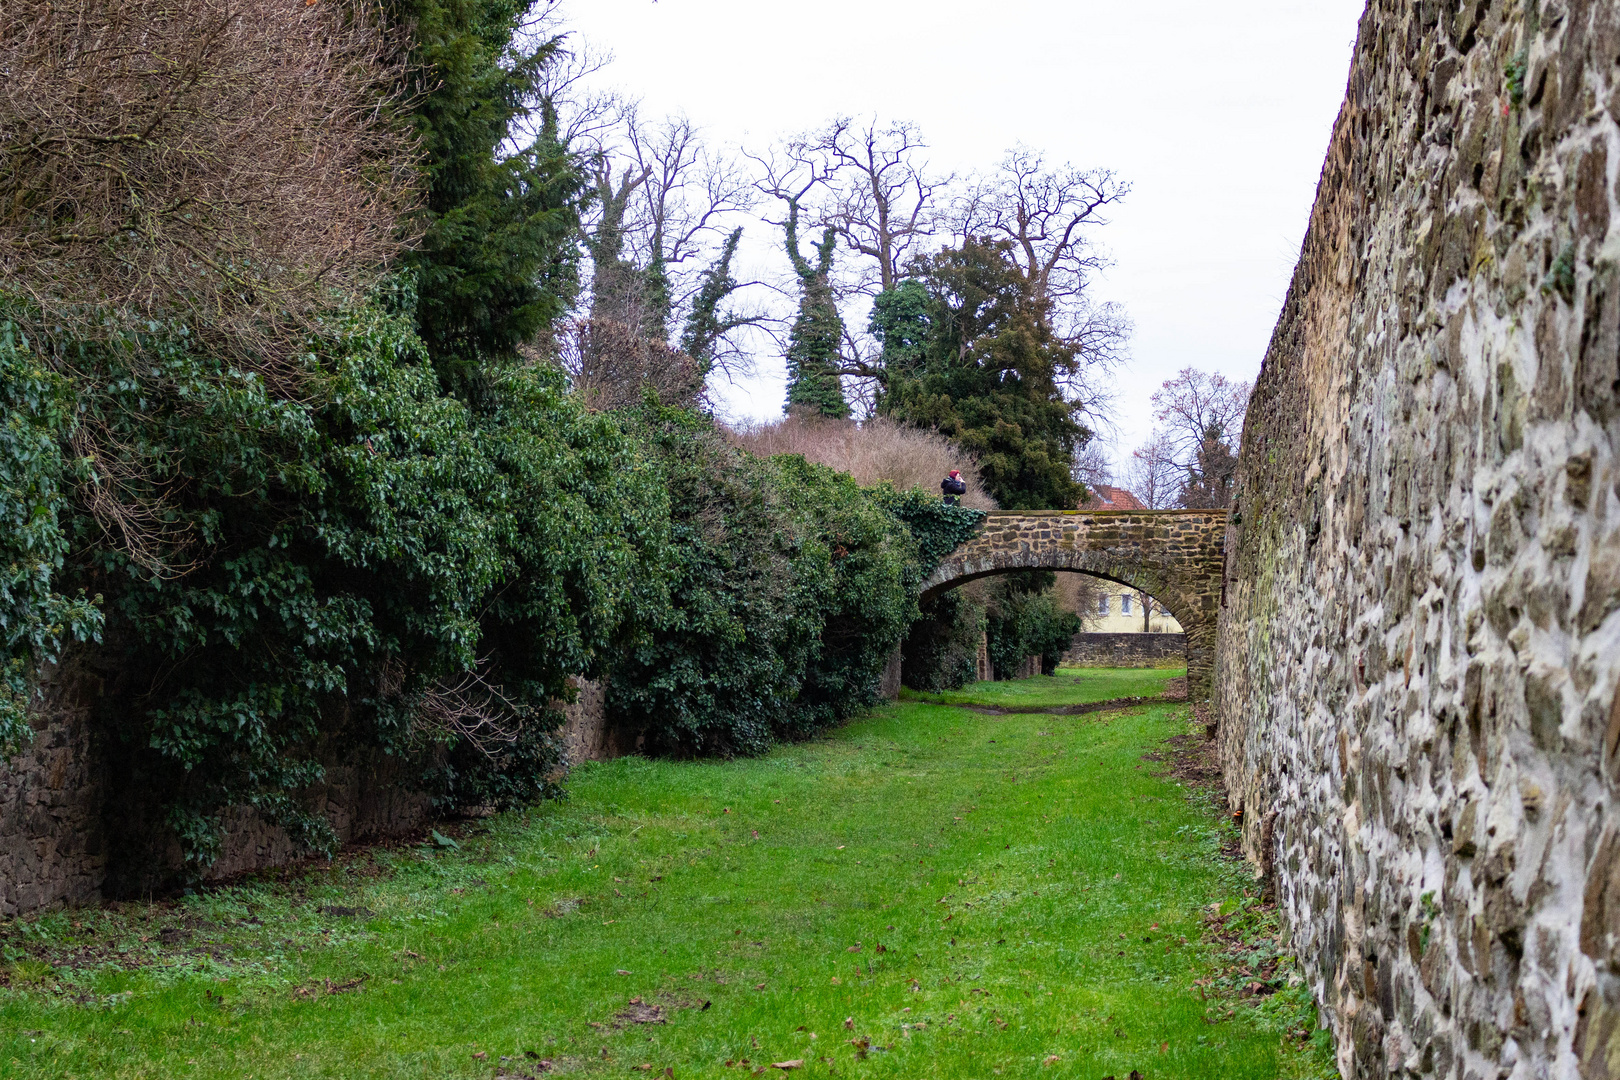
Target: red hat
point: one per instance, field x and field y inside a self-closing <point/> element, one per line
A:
<point x="956" y="472"/>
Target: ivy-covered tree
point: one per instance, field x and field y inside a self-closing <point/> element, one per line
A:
<point x="496" y="263"/>
<point x="812" y="355"/>
<point x="970" y="352"/>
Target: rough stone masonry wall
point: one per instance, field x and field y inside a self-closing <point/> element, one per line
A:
<point x="60" y="820"/>
<point x="1419" y="647"/>
<point x="1127" y="650"/>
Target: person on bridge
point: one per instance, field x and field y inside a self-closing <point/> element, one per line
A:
<point x="954" y="488"/>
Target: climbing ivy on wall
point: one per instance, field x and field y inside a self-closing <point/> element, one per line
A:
<point x="36" y="420"/>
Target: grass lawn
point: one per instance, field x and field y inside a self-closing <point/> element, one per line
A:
<point x="925" y="893"/>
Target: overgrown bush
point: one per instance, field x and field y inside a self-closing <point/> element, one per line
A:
<point x="35" y="425"/>
<point x="941" y="650"/>
<point x="789" y="588"/>
<point x="1024" y="619"/>
<point x="379" y="552"/>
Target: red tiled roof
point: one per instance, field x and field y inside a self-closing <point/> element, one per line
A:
<point x="1104" y="497"/>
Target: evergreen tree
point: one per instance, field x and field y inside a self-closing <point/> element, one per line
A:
<point x="978" y="361"/>
<point x="900" y="322"/>
<point x="496" y="263"/>
<point x="812" y="356"/>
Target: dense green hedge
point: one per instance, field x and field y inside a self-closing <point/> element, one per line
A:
<point x="324" y="567"/>
<point x="331" y="560"/>
<point x="789" y="588"/>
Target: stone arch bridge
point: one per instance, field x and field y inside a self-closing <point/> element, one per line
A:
<point x="1177" y="557"/>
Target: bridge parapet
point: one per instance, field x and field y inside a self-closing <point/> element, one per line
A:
<point x="1175" y="556"/>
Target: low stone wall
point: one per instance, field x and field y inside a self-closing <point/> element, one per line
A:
<point x="1419" y="648"/>
<point x="1128" y="650"/>
<point x="587" y="735"/>
<point x="53" y="848"/>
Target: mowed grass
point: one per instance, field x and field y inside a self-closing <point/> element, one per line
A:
<point x="926" y="892"/>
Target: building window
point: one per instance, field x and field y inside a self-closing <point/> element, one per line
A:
<point x="1124" y="603"/>
<point x="1102" y="604"/>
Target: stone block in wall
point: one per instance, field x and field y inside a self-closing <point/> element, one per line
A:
<point x="586" y="734"/>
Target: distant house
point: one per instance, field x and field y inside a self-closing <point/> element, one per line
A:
<point x="1104" y="497"/>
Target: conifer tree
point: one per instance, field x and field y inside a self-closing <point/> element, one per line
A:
<point x="969" y="351"/>
<point x="496" y="263"/>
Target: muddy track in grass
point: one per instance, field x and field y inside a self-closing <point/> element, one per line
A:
<point x="1060" y="710"/>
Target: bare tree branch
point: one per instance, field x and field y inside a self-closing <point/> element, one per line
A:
<point x="229" y="163"/>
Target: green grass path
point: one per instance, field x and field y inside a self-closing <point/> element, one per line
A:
<point x="926" y="892"/>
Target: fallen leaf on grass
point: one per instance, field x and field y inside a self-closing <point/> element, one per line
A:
<point x="796" y="1063"/>
<point x="1051" y="1059"/>
<point x="481" y="1055"/>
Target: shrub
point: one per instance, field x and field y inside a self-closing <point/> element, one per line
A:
<point x="35" y="424"/>
<point x="941" y="650"/>
<point x="789" y="587"/>
<point x="1024" y="619"/>
<point x="379" y="563"/>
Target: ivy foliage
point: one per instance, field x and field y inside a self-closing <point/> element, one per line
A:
<point x="36" y="421"/>
<point x="814" y="386"/>
<point x="377" y="564"/>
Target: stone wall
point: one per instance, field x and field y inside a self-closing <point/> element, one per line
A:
<point x="1128" y="650"/>
<point x="69" y="834"/>
<point x="1419" y="644"/>
<point x="587" y="735"/>
<point x="53" y="849"/>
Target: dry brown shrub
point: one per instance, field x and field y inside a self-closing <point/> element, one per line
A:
<point x="231" y="163"/>
<point x="872" y="452"/>
<point x="612" y="365"/>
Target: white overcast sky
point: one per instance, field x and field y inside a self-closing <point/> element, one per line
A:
<point x="1217" y="114"/>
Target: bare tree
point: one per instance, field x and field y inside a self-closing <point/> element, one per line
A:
<point x="228" y="163"/>
<point x="1047" y="215"/>
<point x="611" y="366"/>
<point x="1092" y="466"/>
<point x="1196" y="405"/>
<point x="1153" y="475"/>
<point x="658" y="238"/>
<point x="881" y="197"/>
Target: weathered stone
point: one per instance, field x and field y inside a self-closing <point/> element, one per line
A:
<point x="1418" y="658"/>
<point x="1174" y="556"/>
